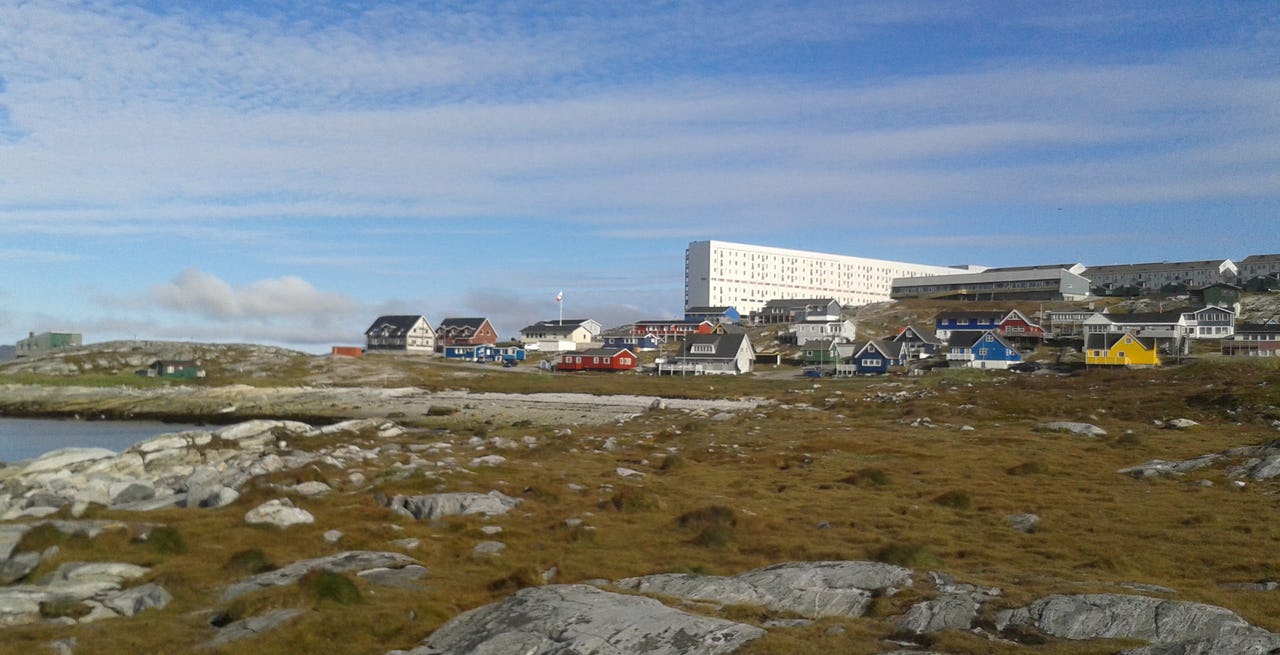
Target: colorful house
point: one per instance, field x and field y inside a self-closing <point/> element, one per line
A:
<point x="624" y="338"/>
<point x="1016" y="325"/>
<point x="874" y="357"/>
<point x="1120" y="349"/>
<point x="1253" y="340"/>
<point x="464" y="332"/>
<point x="185" y="369"/>
<point x="670" y="329"/>
<point x="947" y="322"/>
<point x="984" y="349"/>
<point x="598" y="359"/>
<point x="486" y="352"/>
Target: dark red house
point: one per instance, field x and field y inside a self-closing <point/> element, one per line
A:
<point x="465" y="332"/>
<point x="597" y="359"/>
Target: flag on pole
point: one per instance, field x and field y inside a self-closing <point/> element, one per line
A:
<point x="560" y="296"/>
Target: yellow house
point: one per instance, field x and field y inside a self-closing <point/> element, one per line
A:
<point x="1120" y="349"/>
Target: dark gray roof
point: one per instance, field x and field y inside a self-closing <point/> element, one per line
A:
<point x="473" y="323"/>
<point x="394" y="325"/>
<point x="1105" y="340"/>
<point x="726" y="345"/>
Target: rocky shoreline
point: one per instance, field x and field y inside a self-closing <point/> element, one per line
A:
<point x="224" y="405"/>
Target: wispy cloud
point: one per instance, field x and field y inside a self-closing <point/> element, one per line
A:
<point x="16" y="256"/>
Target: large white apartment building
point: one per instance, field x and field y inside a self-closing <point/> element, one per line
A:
<point x="745" y="277"/>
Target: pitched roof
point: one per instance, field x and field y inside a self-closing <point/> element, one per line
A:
<point x="1258" y="328"/>
<point x="473" y="323"/>
<point x="1105" y="340"/>
<point x="567" y="326"/>
<point x="395" y="324"/>
<point x="598" y="352"/>
<point x="1172" y="316"/>
<point x="965" y="338"/>
<point x="725" y="346"/>
<point x="925" y="336"/>
<point x="707" y="310"/>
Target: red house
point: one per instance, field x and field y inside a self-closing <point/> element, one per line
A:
<point x="598" y="359"/>
<point x="1016" y="325"/>
<point x="465" y="332"/>
<point x="670" y="328"/>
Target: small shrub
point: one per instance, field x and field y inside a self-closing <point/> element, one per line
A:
<point x="715" y="524"/>
<point x="164" y="540"/>
<point x="630" y="500"/>
<point x="441" y="410"/>
<point x="1026" y="468"/>
<point x="525" y="576"/>
<point x="910" y="556"/>
<point x="955" y="500"/>
<point x="251" y="561"/>
<point x="868" y="477"/>
<point x="672" y="462"/>
<point x="330" y="587"/>
<point x="60" y="608"/>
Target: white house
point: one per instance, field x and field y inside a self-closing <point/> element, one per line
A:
<point x="837" y="330"/>
<point x="712" y="354"/>
<point x="400" y="333"/>
<point x="562" y="334"/>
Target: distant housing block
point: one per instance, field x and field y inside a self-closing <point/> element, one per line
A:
<point x="724" y="274"/>
<point x="1159" y="277"/>
<point x="995" y="284"/>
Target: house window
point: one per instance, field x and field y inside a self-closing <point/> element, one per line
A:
<point x="606" y="360"/>
<point x="702" y="349"/>
<point x="595" y="360"/>
<point x="871" y="363"/>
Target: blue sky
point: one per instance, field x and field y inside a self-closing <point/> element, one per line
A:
<point x="284" y="172"/>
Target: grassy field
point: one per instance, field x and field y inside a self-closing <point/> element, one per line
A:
<point x="834" y="469"/>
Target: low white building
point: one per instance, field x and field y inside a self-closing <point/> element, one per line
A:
<point x="562" y="334"/>
<point x="837" y="330"/>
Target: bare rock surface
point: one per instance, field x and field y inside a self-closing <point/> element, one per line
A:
<point x="433" y="506"/>
<point x="1082" y="429"/>
<point x="252" y="627"/>
<point x="279" y="513"/>
<point x="1261" y="462"/>
<point x="558" y="619"/>
<point x="347" y="562"/>
<point x="1172" y="627"/>
<point x="808" y="589"/>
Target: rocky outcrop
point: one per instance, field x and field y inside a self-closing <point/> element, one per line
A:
<point x="348" y="562"/>
<point x="1082" y="429"/>
<point x="1172" y="627"/>
<point x="583" y="619"/>
<point x="1256" y="463"/>
<point x="252" y="627"/>
<point x="808" y="589"/>
<point x="81" y="592"/>
<point x="434" y="506"/>
<point x="195" y="468"/>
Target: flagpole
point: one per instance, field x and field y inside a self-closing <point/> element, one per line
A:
<point x="560" y="304"/>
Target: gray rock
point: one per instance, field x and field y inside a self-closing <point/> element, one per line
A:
<point x="1172" y="627"/>
<point x="1024" y="522"/>
<point x="582" y="619"/>
<point x="946" y="612"/>
<point x="808" y="589"/>
<point x="252" y="627"/>
<point x="1265" y="585"/>
<point x="489" y="548"/>
<point x="1082" y="429"/>
<point x="17" y="567"/>
<point x="332" y="536"/>
<point x="310" y="488"/>
<point x="65" y="646"/>
<point x="124" y="493"/>
<point x="434" y="506"/>
<point x="1181" y="424"/>
<point x="408" y="577"/>
<point x="356" y="560"/>
<point x="132" y="601"/>
<point x="280" y="513"/>
<point x="11" y="535"/>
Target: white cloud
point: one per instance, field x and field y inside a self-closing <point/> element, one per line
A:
<point x="196" y="292"/>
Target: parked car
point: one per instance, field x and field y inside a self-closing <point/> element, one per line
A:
<point x="510" y="363"/>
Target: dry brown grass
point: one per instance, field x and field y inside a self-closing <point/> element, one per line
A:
<point x="822" y="475"/>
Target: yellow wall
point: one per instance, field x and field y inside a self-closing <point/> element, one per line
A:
<point x="1126" y="352"/>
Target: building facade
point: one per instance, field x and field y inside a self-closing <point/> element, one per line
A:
<point x="1159" y="277"/>
<point x="1003" y="284"/>
<point x="721" y="273"/>
<point x="46" y="342"/>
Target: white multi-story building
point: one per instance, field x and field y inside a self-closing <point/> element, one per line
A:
<point x="745" y="277"/>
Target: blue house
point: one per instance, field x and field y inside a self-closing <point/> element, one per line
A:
<point x="874" y="357"/>
<point x="947" y="322"/>
<point x="980" y="349"/>
<point x="713" y="315"/>
<point x="486" y="352"/>
<point x="617" y="339"/>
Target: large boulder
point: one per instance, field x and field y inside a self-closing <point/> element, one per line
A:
<point x="809" y="589"/>
<point x="434" y="506"/>
<point x="1082" y="429"/>
<point x="1172" y="627"/>
<point x="946" y="612"/>
<point x="583" y="619"/>
<point x="280" y="513"/>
